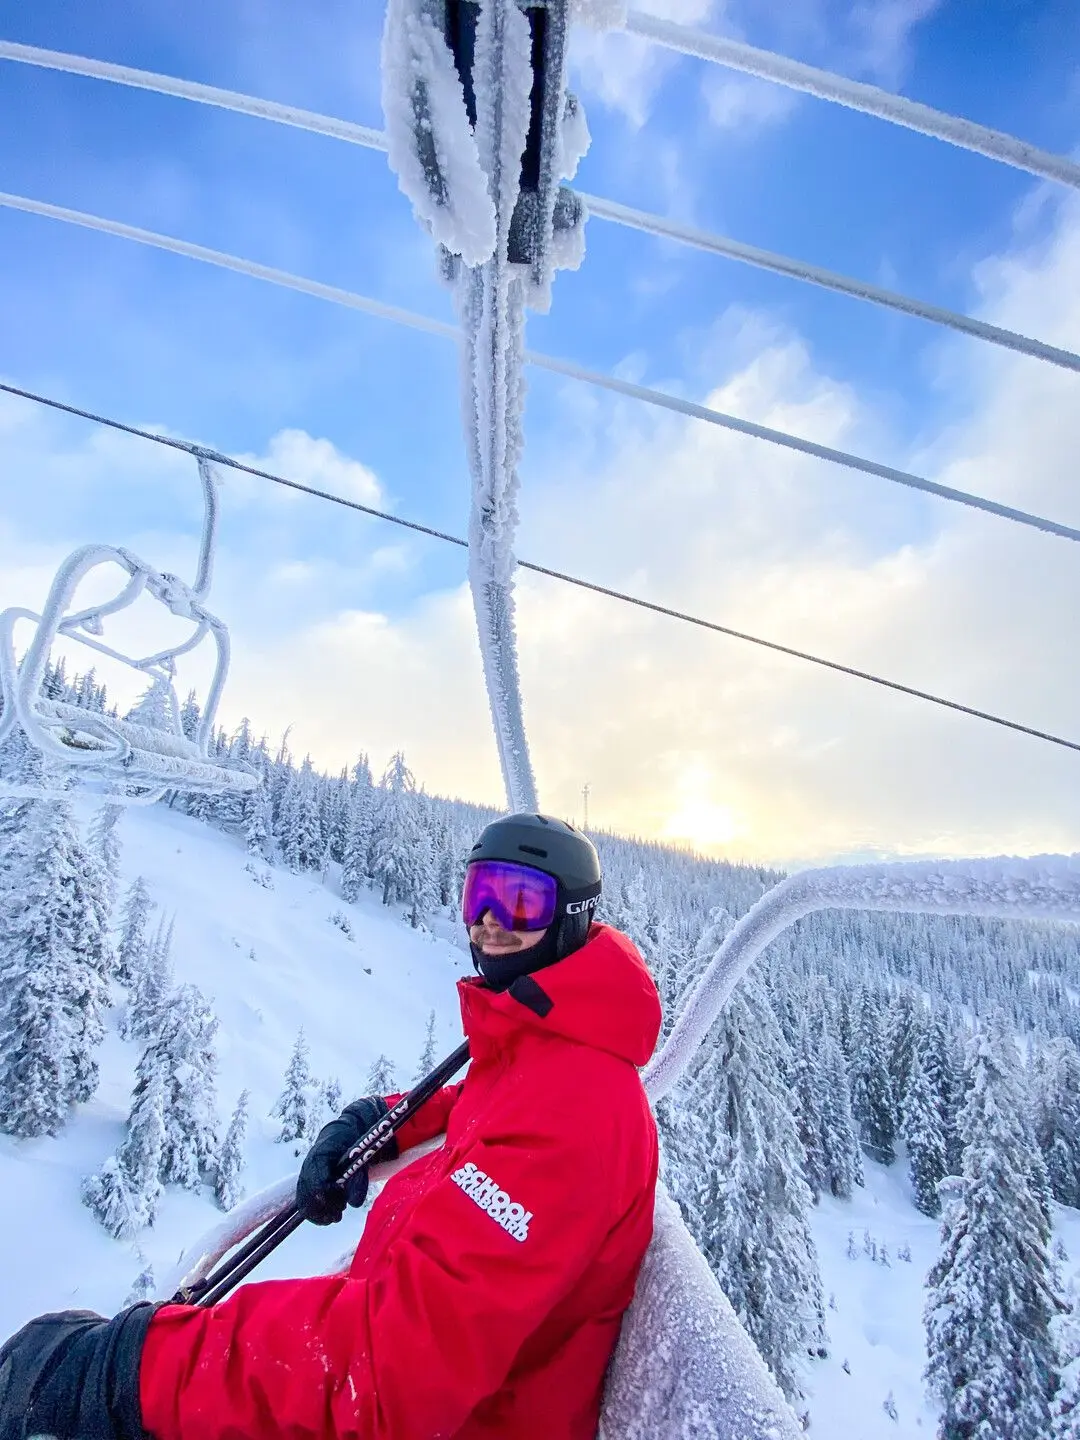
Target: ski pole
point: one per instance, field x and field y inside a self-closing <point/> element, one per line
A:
<point x="213" y="1287"/>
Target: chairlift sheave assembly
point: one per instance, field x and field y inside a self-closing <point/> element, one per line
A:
<point x="131" y="762"/>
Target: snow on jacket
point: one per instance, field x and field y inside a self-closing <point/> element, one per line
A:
<point x="485" y="1296"/>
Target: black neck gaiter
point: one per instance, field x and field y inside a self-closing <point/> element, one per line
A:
<point x="564" y="936"/>
<point x="500" y="971"/>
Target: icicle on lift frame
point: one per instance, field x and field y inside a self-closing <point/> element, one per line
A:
<point x="129" y="762"/>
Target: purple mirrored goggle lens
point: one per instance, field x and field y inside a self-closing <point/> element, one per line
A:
<point x="519" y="897"/>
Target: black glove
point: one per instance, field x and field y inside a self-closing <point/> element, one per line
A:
<point x="318" y="1197"/>
<point x="75" y="1375"/>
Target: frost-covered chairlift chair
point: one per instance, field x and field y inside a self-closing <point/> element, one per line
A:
<point x="131" y="762"/>
<point x="684" y="1367"/>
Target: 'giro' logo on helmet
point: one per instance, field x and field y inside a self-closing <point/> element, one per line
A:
<point x="513" y="1218"/>
<point x="577" y="907"/>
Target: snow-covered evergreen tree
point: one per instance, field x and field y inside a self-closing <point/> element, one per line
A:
<point x="422" y="886"/>
<point x="108" y="1197"/>
<point x="293" y="1106"/>
<point x="259" y="824"/>
<point x="381" y="1078"/>
<point x="733" y="1161"/>
<point x="903" y="1028"/>
<point x="307" y="846"/>
<point x="103" y="843"/>
<point x="181" y="1058"/>
<point x="150" y="985"/>
<point x="924" y="1135"/>
<point x="124" y="1194"/>
<point x="808" y="1090"/>
<point x="134" y="945"/>
<point x="52" y="972"/>
<point x="157" y="707"/>
<point x="939" y="1060"/>
<point x="839" y="1140"/>
<point x="355" y="867"/>
<point x="990" y="1301"/>
<point x="426" y="1063"/>
<point x="287" y="819"/>
<point x="1057" y="1118"/>
<point x="190" y="715"/>
<point x="331" y="1096"/>
<point x="230" y="1163"/>
<point x="873" y="1102"/>
<point x="1065" y="1328"/>
<point x="718" y="924"/>
<point x="393" y="832"/>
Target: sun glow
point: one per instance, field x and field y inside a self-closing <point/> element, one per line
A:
<point x="699" y="820"/>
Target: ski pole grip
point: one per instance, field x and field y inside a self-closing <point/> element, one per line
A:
<point x="368" y="1146"/>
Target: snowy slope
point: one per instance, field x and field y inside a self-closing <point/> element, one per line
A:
<point x="875" y="1308"/>
<point x="304" y="971"/>
<point x="53" y="1254"/>
<point x="874" y="1318"/>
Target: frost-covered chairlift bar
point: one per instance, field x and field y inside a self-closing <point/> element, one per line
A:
<point x="568" y="203"/>
<point x="367" y="305"/>
<point x="131" y="762"/>
<point x="1046" y="887"/>
<point x="854" y="95"/>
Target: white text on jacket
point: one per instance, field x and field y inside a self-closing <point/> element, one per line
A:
<point x="513" y="1218"/>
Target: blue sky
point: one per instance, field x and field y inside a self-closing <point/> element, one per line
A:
<point x="157" y="339"/>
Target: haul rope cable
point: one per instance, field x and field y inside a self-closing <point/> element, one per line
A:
<point x="190" y="447"/>
<point x="351" y="300"/>
<point x="597" y="206"/>
<point x="856" y="95"/>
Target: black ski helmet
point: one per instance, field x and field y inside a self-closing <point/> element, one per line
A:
<point x="547" y="844"/>
<point x="562" y="851"/>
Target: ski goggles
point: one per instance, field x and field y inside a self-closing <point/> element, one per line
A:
<point x="519" y="897"/>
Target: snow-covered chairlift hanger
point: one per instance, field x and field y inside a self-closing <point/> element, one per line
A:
<point x="131" y="762"/>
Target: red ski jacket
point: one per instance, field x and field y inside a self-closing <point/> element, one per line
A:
<point x="485" y="1296"/>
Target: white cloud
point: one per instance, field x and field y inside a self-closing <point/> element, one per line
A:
<point x="743" y="103"/>
<point x="684" y="733"/>
<point x="882" y="31"/>
<point x="296" y="455"/>
<point x="624" y="72"/>
<point x="868" y="38"/>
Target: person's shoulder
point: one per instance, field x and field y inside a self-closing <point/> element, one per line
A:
<point x="572" y="1067"/>
<point x="604" y="934"/>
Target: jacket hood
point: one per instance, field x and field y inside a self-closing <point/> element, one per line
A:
<point x="601" y="996"/>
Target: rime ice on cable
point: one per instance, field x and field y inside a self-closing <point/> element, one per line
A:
<point x="481" y="131"/>
<point x="131" y="761"/>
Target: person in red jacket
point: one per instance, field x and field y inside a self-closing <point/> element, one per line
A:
<point x="486" y="1293"/>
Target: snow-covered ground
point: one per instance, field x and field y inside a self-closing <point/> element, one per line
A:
<point x="272" y="962"/>
<point x="874" y="1314"/>
<point x="875" y="1298"/>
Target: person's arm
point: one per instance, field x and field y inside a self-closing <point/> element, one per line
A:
<point x="408" y="1352"/>
<point x="430" y="1120"/>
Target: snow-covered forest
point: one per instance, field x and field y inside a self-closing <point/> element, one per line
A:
<point x="936" y="1059"/>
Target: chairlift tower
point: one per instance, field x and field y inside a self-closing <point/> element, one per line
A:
<point x="481" y="132"/>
